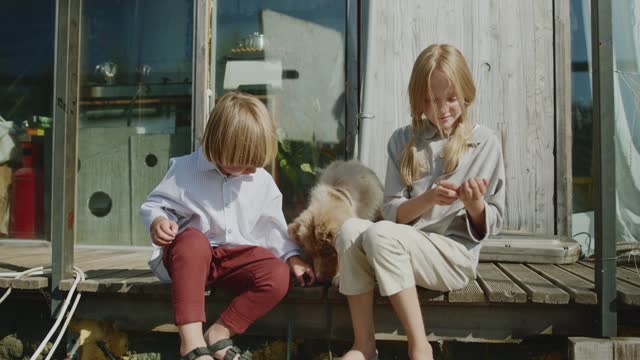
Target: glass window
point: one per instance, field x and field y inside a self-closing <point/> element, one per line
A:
<point x="135" y="110"/>
<point x="26" y="98"/>
<point x="626" y="47"/>
<point x="582" y="107"/>
<point x="291" y="54"/>
<point x="626" y="87"/>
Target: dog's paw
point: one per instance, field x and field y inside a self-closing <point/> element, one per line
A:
<point x="335" y="282"/>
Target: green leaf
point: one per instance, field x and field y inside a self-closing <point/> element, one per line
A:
<point x="306" y="167"/>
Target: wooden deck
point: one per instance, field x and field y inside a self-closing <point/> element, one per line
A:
<point x="507" y="301"/>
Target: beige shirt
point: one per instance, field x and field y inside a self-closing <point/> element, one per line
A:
<point x="484" y="159"/>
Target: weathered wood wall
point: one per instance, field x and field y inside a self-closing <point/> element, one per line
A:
<point x="509" y="46"/>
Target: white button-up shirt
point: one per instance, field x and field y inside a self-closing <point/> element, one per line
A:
<point x="230" y="210"/>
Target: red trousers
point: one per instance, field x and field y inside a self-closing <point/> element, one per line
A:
<point x="260" y="279"/>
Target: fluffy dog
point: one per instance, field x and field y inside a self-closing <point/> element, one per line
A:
<point x="345" y="189"/>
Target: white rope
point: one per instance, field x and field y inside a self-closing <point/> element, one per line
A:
<point x="18" y="275"/>
<point x="61" y="313"/>
<point x="79" y="276"/>
<point x="78" y="273"/>
<point x="31" y="272"/>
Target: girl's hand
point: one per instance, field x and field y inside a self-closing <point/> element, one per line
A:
<point x="445" y="193"/>
<point x="163" y="231"/>
<point x="472" y="192"/>
<point x="301" y="271"/>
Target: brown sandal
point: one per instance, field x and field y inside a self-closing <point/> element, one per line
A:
<point x="196" y="353"/>
<point x="231" y="353"/>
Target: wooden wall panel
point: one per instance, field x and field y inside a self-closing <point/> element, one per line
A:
<point x="146" y="174"/>
<point x="509" y="46"/>
<point x="103" y="155"/>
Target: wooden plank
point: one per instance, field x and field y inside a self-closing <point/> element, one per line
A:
<point x="5" y="282"/>
<point x="630" y="277"/>
<point x="91" y="275"/>
<point x="116" y="261"/>
<point x="116" y="282"/>
<point x="108" y="264"/>
<point x="26" y="262"/>
<point x="424" y="296"/>
<point x="28" y="283"/>
<point x="628" y="294"/>
<point x="16" y="252"/>
<point x="40" y="282"/>
<point x="497" y="286"/>
<point x="147" y="284"/>
<point x="22" y="263"/>
<point x="311" y="294"/>
<point x="581" y="291"/>
<point x="31" y="283"/>
<point x="626" y="348"/>
<point x="630" y="266"/>
<point x="467" y="322"/>
<point x="538" y="288"/>
<point x="590" y="348"/>
<point x="624" y="274"/>
<point x="472" y="293"/>
<point x="84" y="259"/>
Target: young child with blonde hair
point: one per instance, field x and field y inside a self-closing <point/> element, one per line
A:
<point x="444" y="194"/>
<point x="216" y="219"/>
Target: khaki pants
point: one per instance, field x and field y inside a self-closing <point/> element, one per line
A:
<point x="399" y="257"/>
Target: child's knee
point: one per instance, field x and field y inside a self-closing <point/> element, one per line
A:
<point x="380" y="240"/>
<point x="191" y="241"/>
<point x="349" y="232"/>
<point x="278" y="279"/>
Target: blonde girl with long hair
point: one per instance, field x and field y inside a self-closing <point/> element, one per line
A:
<point x="444" y="194"/>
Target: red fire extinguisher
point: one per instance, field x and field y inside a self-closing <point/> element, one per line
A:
<point x="27" y="200"/>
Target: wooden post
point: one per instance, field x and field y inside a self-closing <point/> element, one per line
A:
<point x="605" y="165"/>
<point x="352" y="86"/>
<point x="64" y="149"/>
<point x="201" y="52"/>
<point x="564" y="138"/>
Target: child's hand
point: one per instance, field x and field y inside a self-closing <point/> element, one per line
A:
<point x="472" y="192"/>
<point x="301" y="271"/>
<point x="445" y="193"/>
<point x="163" y="231"/>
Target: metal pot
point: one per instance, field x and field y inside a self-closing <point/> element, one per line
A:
<point x="106" y="71"/>
<point x="255" y="41"/>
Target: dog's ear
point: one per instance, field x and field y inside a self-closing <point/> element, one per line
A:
<point x="293" y="231"/>
<point x="300" y="228"/>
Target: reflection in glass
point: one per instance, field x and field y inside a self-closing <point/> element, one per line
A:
<point x="292" y="56"/>
<point x="626" y="82"/>
<point x="26" y="98"/>
<point x="135" y="110"/>
<point x="581" y="107"/>
<point x="626" y="46"/>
